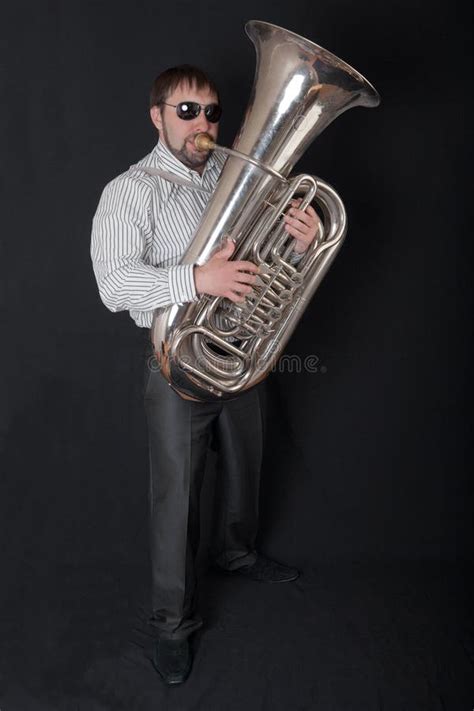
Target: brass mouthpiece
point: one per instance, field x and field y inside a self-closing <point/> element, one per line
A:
<point x="203" y="142"/>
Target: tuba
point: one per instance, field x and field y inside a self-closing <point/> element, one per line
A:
<point x="214" y="349"/>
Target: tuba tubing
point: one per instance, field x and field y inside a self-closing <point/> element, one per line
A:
<point x="214" y="349"/>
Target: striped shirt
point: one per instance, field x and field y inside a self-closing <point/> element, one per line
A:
<point x="142" y="227"/>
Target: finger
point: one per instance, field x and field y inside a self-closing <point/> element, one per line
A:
<point x="226" y="251"/>
<point x="233" y="296"/>
<point x="301" y="216"/>
<point x="311" y="211"/>
<point x="294" y="232"/>
<point x="242" y="289"/>
<point x="244" y="278"/>
<point x="301" y="225"/>
<point x="247" y="267"/>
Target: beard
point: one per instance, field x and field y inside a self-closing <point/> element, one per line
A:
<point x="187" y="154"/>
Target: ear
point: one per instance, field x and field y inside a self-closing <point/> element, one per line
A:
<point x="155" y="115"/>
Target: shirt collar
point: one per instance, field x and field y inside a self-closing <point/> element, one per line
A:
<point x="168" y="161"/>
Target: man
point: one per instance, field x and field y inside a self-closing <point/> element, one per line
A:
<point x="144" y="222"/>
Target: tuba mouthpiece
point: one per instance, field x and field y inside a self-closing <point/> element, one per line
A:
<point x="204" y="142"/>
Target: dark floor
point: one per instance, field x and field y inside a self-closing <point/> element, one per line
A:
<point x="344" y="637"/>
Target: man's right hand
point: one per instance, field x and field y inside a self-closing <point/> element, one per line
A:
<point x="220" y="277"/>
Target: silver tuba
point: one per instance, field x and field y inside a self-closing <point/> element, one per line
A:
<point x="214" y="348"/>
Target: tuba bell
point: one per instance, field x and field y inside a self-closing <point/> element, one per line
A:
<point x="214" y="349"/>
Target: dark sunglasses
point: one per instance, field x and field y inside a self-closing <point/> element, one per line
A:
<point x="189" y="110"/>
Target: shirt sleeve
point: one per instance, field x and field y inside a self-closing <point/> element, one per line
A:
<point x="125" y="280"/>
<point x="296" y="257"/>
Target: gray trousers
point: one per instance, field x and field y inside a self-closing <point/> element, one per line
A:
<point x="179" y="436"/>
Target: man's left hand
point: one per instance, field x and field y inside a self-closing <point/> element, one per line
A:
<point x="303" y="225"/>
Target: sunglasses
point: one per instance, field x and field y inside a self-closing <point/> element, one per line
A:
<point x="189" y="110"/>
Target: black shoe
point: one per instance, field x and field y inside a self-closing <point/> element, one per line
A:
<point x="172" y="659"/>
<point x="265" y="570"/>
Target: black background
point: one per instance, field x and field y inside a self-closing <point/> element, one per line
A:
<point x="366" y="478"/>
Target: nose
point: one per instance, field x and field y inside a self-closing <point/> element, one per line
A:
<point x="201" y="123"/>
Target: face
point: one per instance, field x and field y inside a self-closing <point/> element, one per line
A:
<point x="178" y="135"/>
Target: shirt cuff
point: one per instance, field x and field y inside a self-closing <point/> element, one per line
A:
<point x="181" y="283"/>
<point x="296" y="257"/>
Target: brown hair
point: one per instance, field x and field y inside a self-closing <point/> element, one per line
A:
<point x="166" y="82"/>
